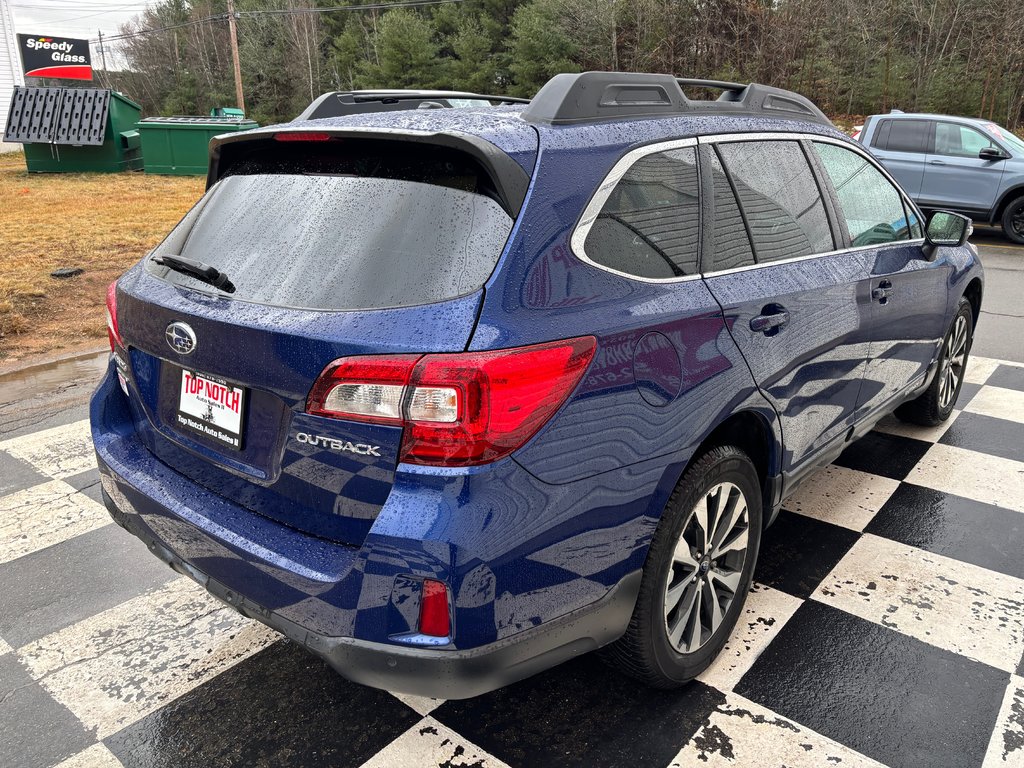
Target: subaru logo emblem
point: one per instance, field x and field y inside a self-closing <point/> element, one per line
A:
<point x="180" y="338"/>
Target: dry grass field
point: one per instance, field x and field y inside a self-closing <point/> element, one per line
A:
<point x="102" y="223"/>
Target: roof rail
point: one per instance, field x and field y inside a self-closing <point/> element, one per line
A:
<point x="590" y="96"/>
<point x="338" y="103"/>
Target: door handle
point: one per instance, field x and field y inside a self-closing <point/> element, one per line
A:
<point x="882" y="293"/>
<point x="936" y="162"/>
<point x="770" y="321"/>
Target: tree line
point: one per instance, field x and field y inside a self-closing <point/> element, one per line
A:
<point x="852" y="57"/>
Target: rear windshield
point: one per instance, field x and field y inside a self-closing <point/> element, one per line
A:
<point x="345" y="231"/>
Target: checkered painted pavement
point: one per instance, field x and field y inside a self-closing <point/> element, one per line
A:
<point x="886" y="626"/>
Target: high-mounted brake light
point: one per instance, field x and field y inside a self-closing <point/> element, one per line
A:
<point x="302" y="136"/>
<point x="113" y="335"/>
<point x="458" y="409"/>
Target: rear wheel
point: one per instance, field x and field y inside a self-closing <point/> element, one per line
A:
<point x="697" y="574"/>
<point x="1013" y="220"/>
<point x="936" y="403"/>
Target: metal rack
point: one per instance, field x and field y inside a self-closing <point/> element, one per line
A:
<point x="592" y="96"/>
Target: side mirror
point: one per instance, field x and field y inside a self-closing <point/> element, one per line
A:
<point x="946" y="229"/>
<point x="991" y="153"/>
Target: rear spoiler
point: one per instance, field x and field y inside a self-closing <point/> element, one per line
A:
<point x="510" y="180"/>
<point x="340" y="103"/>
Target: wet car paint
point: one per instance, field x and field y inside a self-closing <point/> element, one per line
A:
<point x="570" y="515"/>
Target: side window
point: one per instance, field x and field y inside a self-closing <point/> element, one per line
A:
<point x="729" y="234"/>
<point x="871" y="206"/>
<point x="780" y="198"/>
<point x="904" y="136"/>
<point x="649" y="226"/>
<point x="959" y="140"/>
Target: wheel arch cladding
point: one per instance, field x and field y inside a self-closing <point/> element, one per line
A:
<point x="973" y="294"/>
<point x="751" y="433"/>
<point x="1010" y="196"/>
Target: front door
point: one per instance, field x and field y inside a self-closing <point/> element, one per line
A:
<point x="908" y="294"/>
<point x="955" y="176"/>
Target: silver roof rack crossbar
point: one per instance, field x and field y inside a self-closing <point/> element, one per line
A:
<point x="591" y="96"/>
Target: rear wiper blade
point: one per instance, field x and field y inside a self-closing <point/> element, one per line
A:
<point x="198" y="270"/>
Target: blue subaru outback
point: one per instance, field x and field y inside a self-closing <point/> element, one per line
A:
<point x="449" y="396"/>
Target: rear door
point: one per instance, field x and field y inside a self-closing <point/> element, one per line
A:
<point x="908" y="292"/>
<point x="901" y="144"/>
<point x="797" y="309"/>
<point x="955" y="176"/>
<point x="333" y="251"/>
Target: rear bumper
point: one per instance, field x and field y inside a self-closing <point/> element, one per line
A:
<point x="445" y="674"/>
<point x="549" y="576"/>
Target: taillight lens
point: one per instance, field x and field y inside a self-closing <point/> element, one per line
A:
<point x="458" y="409"/>
<point x="113" y="335"/>
<point x="367" y="388"/>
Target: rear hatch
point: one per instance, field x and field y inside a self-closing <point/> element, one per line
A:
<point x="333" y="248"/>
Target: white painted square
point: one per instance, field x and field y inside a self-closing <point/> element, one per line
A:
<point x="59" y="452"/>
<point x="980" y="368"/>
<point x="893" y="426"/>
<point x="742" y="733"/>
<point x="944" y="602"/>
<point x="96" y="756"/>
<point x="998" y="403"/>
<point x="842" y="496"/>
<point x="431" y="743"/>
<point x="44" y="515"/>
<point x="978" y="476"/>
<point x="1007" y="745"/>
<point x="764" y="615"/>
<point x="119" y="665"/>
<point x="4" y="647"/>
<point x="421" y="704"/>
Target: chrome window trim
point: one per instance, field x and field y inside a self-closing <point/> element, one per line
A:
<point x="841" y="251"/>
<point x="600" y="197"/>
<point x="620" y="168"/>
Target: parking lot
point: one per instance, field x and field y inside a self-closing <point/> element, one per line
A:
<point x="886" y="625"/>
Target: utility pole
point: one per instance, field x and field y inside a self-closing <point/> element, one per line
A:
<point x="233" y="31"/>
<point x="103" y="51"/>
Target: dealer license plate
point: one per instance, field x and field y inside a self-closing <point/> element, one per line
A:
<point x="211" y="407"/>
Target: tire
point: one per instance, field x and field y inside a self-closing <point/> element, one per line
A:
<point x="936" y="403"/>
<point x="661" y="647"/>
<point x="1013" y="220"/>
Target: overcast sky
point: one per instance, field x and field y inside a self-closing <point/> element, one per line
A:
<point x="73" y="18"/>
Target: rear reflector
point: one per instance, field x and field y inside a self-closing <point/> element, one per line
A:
<point x="113" y="335"/>
<point x="434" y="619"/>
<point x="458" y="409"/>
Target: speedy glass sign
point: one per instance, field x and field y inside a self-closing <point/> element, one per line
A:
<point x="59" y="57"/>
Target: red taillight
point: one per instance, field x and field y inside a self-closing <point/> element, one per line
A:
<point x="458" y="409"/>
<point x="302" y="136"/>
<point x="113" y="335"/>
<point x="434" y="619"/>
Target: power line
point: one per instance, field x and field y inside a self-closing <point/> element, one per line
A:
<point x="80" y="6"/>
<point x="154" y="30"/>
<point x="285" y="12"/>
<point x="333" y="9"/>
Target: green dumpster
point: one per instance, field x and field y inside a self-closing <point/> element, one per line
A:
<point x="74" y="130"/>
<point x="180" y="145"/>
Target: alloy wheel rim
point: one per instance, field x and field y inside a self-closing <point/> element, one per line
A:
<point x="1017" y="220"/>
<point x="954" y="360"/>
<point x="707" y="567"/>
